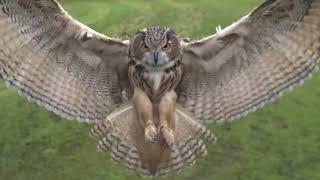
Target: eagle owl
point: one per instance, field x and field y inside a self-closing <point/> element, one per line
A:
<point x="149" y="96"/>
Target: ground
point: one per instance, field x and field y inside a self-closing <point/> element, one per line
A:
<point x="281" y="141"/>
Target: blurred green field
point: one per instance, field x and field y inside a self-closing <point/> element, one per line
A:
<point x="282" y="141"/>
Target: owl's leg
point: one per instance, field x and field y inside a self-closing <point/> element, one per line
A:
<point x="144" y="109"/>
<point x="167" y="118"/>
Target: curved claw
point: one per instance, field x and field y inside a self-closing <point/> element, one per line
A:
<point x="167" y="137"/>
<point x="150" y="134"/>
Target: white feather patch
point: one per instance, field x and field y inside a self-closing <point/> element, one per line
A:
<point x="218" y="29"/>
<point x="156" y="78"/>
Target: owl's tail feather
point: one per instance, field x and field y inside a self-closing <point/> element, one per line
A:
<point x="123" y="136"/>
<point x="115" y="135"/>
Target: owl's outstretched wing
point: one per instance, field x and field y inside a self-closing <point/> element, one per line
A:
<point x="59" y="63"/>
<point x="251" y="62"/>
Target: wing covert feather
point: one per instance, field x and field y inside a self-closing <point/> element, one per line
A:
<point x="252" y="62"/>
<point x="59" y="63"/>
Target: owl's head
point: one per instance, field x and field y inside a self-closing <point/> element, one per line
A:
<point x="155" y="47"/>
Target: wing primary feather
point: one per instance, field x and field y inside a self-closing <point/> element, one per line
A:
<point x="59" y="63"/>
<point x="274" y="49"/>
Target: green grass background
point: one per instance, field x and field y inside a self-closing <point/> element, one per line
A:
<point x="281" y="141"/>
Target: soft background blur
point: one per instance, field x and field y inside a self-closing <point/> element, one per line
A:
<point x="282" y="141"/>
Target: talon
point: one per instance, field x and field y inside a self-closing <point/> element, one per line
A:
<point x="167" y="137"/>
<point x="150" y="134"/>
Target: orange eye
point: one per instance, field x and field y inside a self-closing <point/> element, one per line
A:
<point x="144" y="47"/>
<point x="167" y="47"/>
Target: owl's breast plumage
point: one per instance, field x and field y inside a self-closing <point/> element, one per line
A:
<point x="155" y="83"/>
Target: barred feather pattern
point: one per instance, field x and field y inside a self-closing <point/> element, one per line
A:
<point x="122" y="135"/>
<point x="57" y="62"/>
<point x="252" y="62"/>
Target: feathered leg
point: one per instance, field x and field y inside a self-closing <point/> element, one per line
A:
<point x="167" y="118"/>
<point x="144" y="110"/>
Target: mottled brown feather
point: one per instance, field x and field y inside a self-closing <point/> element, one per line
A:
<point x="251" y="62"/>
<point x="80" y="74"/>
<point x="59" y="63"/>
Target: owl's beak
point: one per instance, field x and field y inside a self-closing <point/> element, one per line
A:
<point x="155" y="57"/>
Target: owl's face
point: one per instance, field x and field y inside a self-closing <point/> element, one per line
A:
<point x="155" y="47"/>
